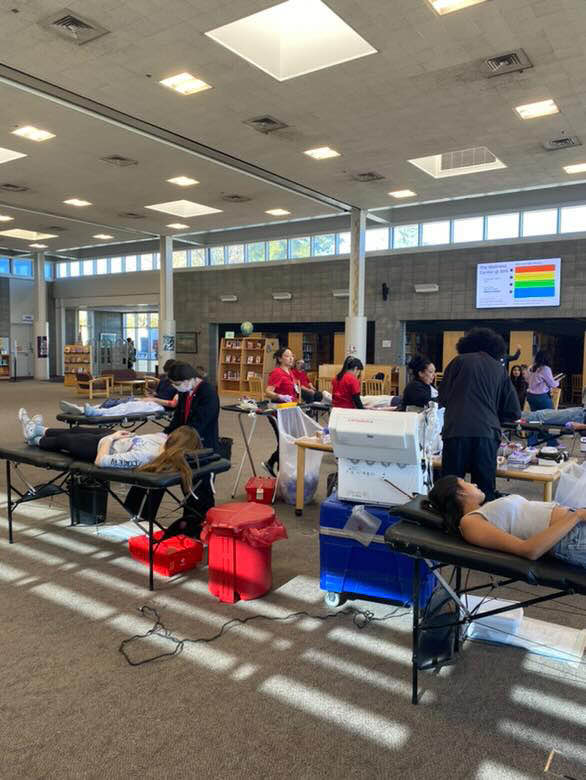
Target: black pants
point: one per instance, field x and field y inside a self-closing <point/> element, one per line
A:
<point x="274" y="459"/>
<point x="82" y="443"/>
<point x="475" y="455"/>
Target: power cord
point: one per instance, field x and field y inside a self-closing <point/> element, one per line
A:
<point x="360" y="618"/>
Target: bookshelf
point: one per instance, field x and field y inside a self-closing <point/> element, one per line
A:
<point x="77" y="359"/>
<point x="242" y="359"/>
<point x="305" y="345"/>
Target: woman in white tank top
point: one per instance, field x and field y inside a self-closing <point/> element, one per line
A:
<point x="511" y="524"/>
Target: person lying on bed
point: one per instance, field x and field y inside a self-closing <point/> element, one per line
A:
<point x="574" y="417"/>
<point x="511" y="524"/>
<point x="157" y="452"/>
<point x="125" y="407"/>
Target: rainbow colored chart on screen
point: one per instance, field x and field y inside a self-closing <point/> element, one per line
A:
<point x="522" y="283"/>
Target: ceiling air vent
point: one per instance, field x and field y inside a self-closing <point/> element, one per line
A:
<point x="366" y="176"/>
<point x="562" y="142"/>
<point x="119" y="161"/>
<point x="73" y="27"/>
<point x="511" y="62"/>
<point x="266" y="124"/>
<point x="13" y="188"/>
<point x="467" y="158"/>
<point x="52" y="229"/>
<point x="130" y="215"/>
<point x="236" y="198"/>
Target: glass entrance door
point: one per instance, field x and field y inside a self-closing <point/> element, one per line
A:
<point x="143" y="328"/>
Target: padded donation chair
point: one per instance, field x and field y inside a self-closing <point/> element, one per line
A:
<point x="372" y="387"/>
<point x="93" y="387"/>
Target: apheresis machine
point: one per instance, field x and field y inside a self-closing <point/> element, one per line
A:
<point x="384" y="457"/>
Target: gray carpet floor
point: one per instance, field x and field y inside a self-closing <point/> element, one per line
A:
<point x="303" y="698"/>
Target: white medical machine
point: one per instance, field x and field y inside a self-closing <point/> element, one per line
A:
<point x="384" y="457"/>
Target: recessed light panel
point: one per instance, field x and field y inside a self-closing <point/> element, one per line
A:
<point x="576" y="168"/>
<point x="178" y="226"/>
<point x="185" y="84"/>
<point x="79" y="202"/>
<point x="448" y="6"/>
<point x="27" y="235"/>
<point x="183" y="208"/>
<point x="277" y="212"/>
<point x="292" y="38"/>
<point x="534" y="110"/>
<point x="322" y="153"/>
<point x="103" y="236"/>
<point x="183" y="181"/>
<point x="459" y="163"/>
<point x="6" y="155"/>
<point x="5" y="218"/>
<point x="33" y="133"/>
<point x="38" y="246"/>
<point x="403" y="194"/>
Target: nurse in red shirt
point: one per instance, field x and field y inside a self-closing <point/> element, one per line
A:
<point x="282" y="386"/>
<point x="346" y="385"/>
<point x="301" y="376"/>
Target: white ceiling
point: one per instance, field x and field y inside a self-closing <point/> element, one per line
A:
<point x="421" y="94"/>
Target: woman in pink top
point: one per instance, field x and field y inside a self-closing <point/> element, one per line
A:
<point x="541" y="382"/>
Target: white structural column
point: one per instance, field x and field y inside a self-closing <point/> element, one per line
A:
<point x="355" y="331"/>
<point x="41" y="325"/>
<point x="166" y="312"/>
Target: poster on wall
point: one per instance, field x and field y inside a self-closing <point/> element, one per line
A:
<point x="186" y="341"/>
<point x="519" y="283"/>
<point x="168" y="343"/>
<point x="42" y="347"/>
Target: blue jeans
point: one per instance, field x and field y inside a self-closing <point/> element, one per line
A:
<point x="538" y="401"/>
<point x="556" y="416"/>
<point x="572" y="548"/>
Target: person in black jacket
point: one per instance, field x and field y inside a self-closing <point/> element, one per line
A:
<point x="420" y="390"/>
<point x="198" y="405"/>
<point x="478" y="397"/>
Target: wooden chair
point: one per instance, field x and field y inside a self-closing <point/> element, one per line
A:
<point x="93" y="387"/>
<point x="555" y="396"/>
<point x="372" y="387"/>
<point x="325" y="383"/>
<point x="392" y="387"/>
<point x="576" y="390"/>
<point x="256" y="388"/>
<point x="150" y="383"/>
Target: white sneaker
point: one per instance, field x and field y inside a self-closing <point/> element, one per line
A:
<point x="70" y="408"/>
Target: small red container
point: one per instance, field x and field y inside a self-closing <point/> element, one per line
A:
<point x="174" y="555"/>
<point x="239" y="539"/>
<point x="261" y="489"/>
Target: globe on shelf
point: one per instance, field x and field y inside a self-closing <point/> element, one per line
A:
<point x="246" y="328"/>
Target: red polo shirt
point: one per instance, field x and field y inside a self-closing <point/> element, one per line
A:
<point x="301" y="377"/>
<point x="283" y="382"/>
<point x="343" y="389"/>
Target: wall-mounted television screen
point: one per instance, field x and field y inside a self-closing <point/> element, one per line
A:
<point x="518" y="283"/>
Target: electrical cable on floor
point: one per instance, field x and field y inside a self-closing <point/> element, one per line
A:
<point x="360" y="617"/>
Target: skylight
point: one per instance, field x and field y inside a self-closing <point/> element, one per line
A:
<point x="459" y="163"/>
<point x="183" y="208"/>
<point x="183" y="181"/>
<point x="26" y="235"/>
<point x="292" y="38"/>
<point x="449" y="6"/>
<point x="33" y="133"/>
<point x="6" y="155"/>
<point x="534" y="110"/>
<point x="185" y="84"/>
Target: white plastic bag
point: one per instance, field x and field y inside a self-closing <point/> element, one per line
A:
<point x="294" y="424"/>
<point x="571" y="489"/>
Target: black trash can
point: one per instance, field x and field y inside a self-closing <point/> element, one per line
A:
<point x="225" y="447"/>
<point x="88" y="502"/>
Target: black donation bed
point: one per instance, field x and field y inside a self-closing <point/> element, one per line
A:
<point x="141" y="503"/>
<point x="420" y="535"/>
<point x="129" y="422"/>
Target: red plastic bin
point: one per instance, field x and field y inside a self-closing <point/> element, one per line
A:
<point x="261" y="489"/>
<point x="239" y="538"/>
<point x="174" y="555"/>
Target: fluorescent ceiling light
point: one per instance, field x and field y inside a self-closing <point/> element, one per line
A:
<point x="6" y="155"/>
<point x="403" y="194"/>
<point x="183" y="208"/>
<point x="277" y="212"/>
<point x="183" y="181"/>
<point x="341" y="293"/>
<point x="185" y="84"/>
<point x="534" y="110"/>
<point x="79" y="202"/>
<point x="27" y="235"/>
<point x="282" y="296"/>
<point x="33" y="133"/>
<point x="448" y="6"/>
<point x="458" y="163"/>
<point x="292" y="38"/>
<point x="38" y="246"/>
<point x="322" y="153"/>
<point x="576" y="168"/>
<point x="228" y="298"/>
<point x="178" y="226"/>
<point x="426" y="288"/>
<point x="104" y="236"/>
<point x="4" y="218"/>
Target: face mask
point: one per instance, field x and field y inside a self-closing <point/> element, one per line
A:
<point x="184" y="386"/>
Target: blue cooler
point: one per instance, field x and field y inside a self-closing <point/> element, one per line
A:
<point x="349" y="567"/>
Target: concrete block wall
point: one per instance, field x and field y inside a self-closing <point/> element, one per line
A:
<point x="4" y="308"/>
